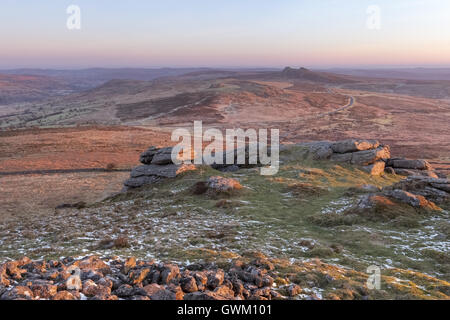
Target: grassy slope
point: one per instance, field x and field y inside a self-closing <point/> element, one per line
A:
<point x="295" y="216"/>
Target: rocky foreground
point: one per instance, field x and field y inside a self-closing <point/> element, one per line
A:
<point x="112" y="279"/>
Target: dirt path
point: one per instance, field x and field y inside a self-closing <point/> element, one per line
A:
<point x="352" y="101"/>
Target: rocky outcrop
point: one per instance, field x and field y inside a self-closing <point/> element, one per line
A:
<point x="235" y="165"/>
<point x="417" y="192"/>
<point x="157" y="166"/>
<point x="370" y="155"/>
<point x="136" y="280"/>
<point x="353" y="145"/>
<point x="409" y="167"/>
<point x="434" y="189"/>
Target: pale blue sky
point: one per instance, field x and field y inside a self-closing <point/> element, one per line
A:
<point x="320" y="33"/>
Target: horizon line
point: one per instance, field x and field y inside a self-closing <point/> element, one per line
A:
<point x="222" y="67"/>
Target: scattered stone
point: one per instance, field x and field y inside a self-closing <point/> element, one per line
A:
<point x="223" y="185"/>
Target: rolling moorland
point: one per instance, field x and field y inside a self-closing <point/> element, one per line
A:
<point x="70" y="139"/>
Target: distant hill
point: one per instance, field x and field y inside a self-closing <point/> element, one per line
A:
<point x="397" y="73"/>
<point x="28" y="88"/>
<point x="306" y="74"/>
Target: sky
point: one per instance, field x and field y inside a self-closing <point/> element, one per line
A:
<point x="227" y="33"/>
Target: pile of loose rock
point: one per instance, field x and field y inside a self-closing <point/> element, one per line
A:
<point x="112" y="279"/>
<point x="370" y="155"/>
<point x="156" y="165"/>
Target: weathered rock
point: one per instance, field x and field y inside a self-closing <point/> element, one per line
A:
<point x="188" y="284"/>
<point x="225" y="292"/>
<point x="169" y="273"/>
<point x="179" y="294"/>
<point x="163" y="294"/>
<point x="365" y="188"/>
<point x="140" y="298"/>
<point x="353" y="145"/>
<point x="124" y="290"/>
<point x="294" y="290"/>
<point x="153" y="288"/>
<point x="18" y="293"/>
<point x="411" y="172"/>
<point x="64" y="295"/>
<point x="129" y="264"/>
<point x="91" y="274"/>
<point x="263" y="263"/>
<point x="215" y="278"/>
<point x="106" y="282"/>
<point x="93" y="263"/>
<point x="201" y="278"/>
<point x="149" y="174"/>
<point x="147" y="156"/>
<point x="239" y="158"/>
<point x="141" y="181"/>
<point x="206" y="295"/>
<point x="413" y="200"/>
<point x="389" y="170"/>
<point x="223" y="185"/>
<point x="91" y="289"/>
<point x="320" y="150"/>
<point x="433" y="189"/>
<point x="368" y="157"/>
<point x="43" y="289"/>
<point x="105" y="296"/>
<point x="375" y="169"/>
<point x="168" y="171"/>
<point x="410" y="164"/>
<point x="163" y="156"/>
<point x="341" y="157"/>
<point x="443" y="186"/>
<point x="13" y="270"/>
<point x="138" y="275"/>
